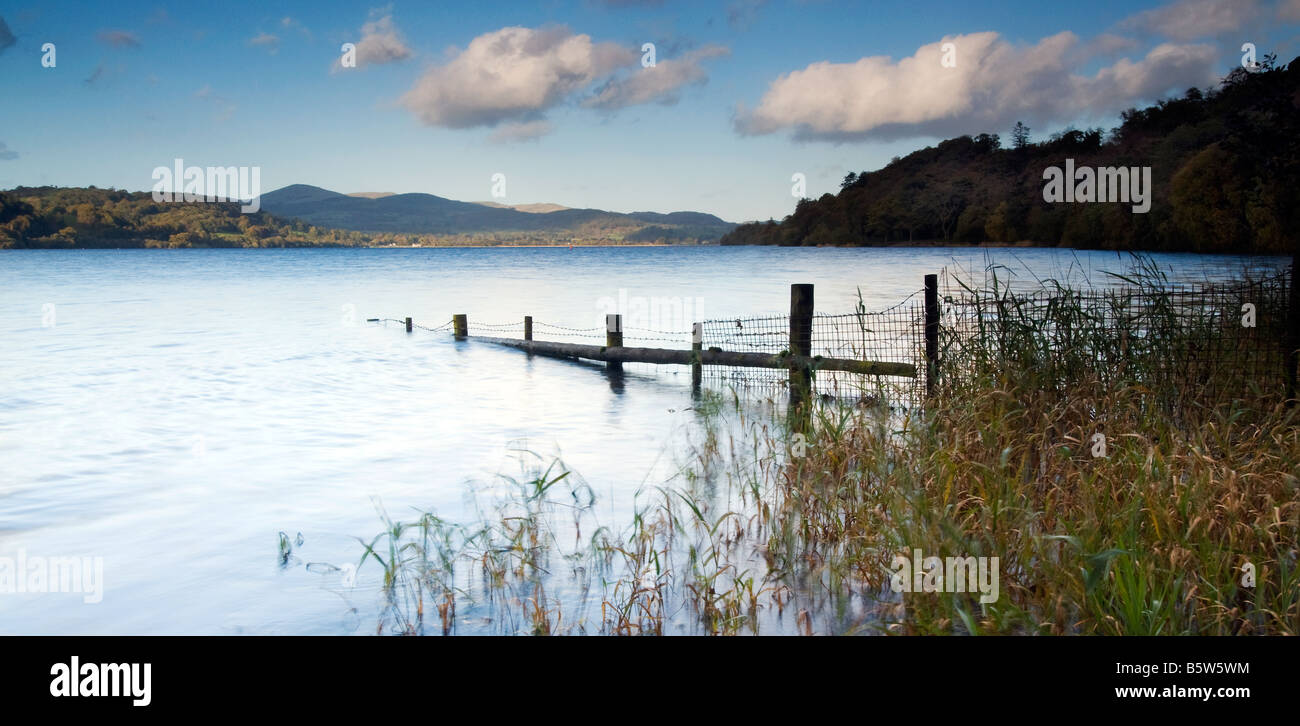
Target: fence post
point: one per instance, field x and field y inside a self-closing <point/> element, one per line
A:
<point x="460" y="323"/>
<point x="801" y="314"/>
<point x="528" y="327"/>
<point x="614" y="338"/>
<point x="931" y="331"/>
<point x="408" y="325"/>
<point x="697" y="348"/>
<point x="1292" y="336"/>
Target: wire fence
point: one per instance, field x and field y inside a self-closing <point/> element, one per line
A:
<point x="1205" y="340"/>
<point x="896" y="335"/>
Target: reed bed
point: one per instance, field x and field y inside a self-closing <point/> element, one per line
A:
<point x="790" y="524"/>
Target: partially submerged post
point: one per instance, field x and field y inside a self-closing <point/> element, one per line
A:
<point x="697" y="347"/>
<point x="528" y="327"/>
<point x="460" y="326"/>
<point x="408" y="325"/>
<point x="614" y="338"/>
<point x="801" y="315"/>
<point x="931" y="331"/>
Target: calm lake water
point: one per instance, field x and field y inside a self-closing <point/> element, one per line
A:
<point x="172" y="411"/>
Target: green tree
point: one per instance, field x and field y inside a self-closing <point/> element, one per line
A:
<point x="1208" y="202"/>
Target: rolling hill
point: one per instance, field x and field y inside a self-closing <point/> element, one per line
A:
<point x="429" y="214"/>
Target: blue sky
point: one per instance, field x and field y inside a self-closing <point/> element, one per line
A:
<point x="568" y="113"/>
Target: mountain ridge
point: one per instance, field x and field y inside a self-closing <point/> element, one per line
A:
<point x="421" y="213"/>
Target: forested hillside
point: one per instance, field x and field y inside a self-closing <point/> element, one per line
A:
<point x="90" y="217"/>
<point x="1224" y="166"/>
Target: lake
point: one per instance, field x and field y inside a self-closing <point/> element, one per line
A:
<point x="171" y="412"/>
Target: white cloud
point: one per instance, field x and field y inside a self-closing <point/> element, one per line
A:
<point x="380" y="43"/>
<point x="1106" y="44"/>
<point x="993" y="84"/>
<point x="512" y="74"/>
<point x="660" y="83"/>
<point x="1192" y="19"/>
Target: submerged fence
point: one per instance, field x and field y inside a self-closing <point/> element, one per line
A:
<point x="896" y="334"/>
<point x="1208" y="340"/>
<point x="873" y="355"/>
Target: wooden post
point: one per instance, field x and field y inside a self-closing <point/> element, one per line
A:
<point x="1292" y="336"/>
<point x="408" y="325"/>
<point x="801" y="315"/>
<point x="697" y="347"/>
<point x="460" y="323"/>
<point x="931" y="331"/>
<point x="528" y="327"/>
<point x="614" y="338"/>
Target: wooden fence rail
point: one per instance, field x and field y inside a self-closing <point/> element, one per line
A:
<point x="710" y="357"/>
<point x="798" y="359"/>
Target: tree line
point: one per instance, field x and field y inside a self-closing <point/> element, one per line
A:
<point x="1224" y="164"/>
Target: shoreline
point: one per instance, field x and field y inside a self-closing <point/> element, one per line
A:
<point x="924" y="244"/>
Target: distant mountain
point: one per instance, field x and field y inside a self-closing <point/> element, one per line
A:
<point x="429" y="214"/>
<point x="87" y="217"/>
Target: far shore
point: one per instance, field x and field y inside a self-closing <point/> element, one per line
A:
<point x="927" y="244"/>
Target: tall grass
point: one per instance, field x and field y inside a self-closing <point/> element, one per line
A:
<point x="764" y="531"/>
